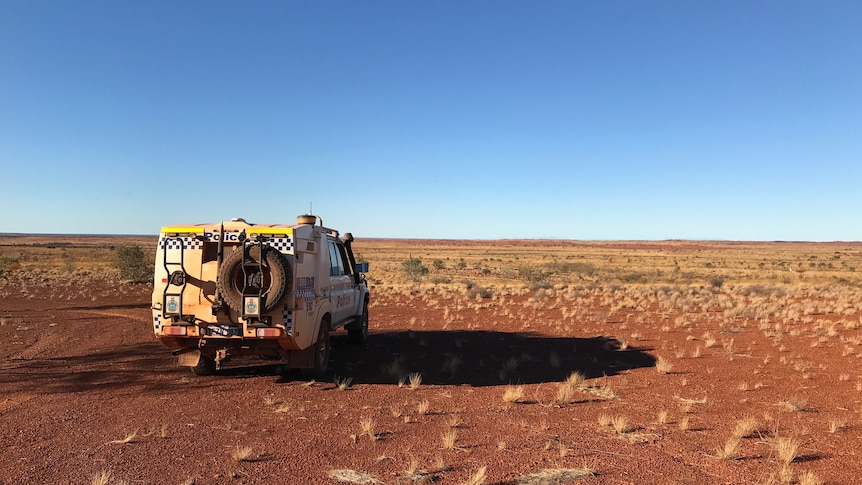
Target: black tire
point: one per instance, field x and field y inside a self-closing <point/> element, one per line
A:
<point x="206" y="366"/>
<point x="322" y="349"/>
<point x="357" y="332"/>
<point x="275" y="280"/>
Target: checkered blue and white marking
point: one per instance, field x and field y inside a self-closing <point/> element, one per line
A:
<point x="307" y="296"/>
<point x="177" y="243"/>
<point x="288" y="320"/>
<point x="282" y="244"/>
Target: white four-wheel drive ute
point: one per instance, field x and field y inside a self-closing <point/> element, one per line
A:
<point x="268" y="290"/>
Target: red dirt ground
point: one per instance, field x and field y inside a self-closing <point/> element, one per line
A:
<point x="81" y="370"/>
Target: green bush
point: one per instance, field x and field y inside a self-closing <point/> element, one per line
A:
<point x="133" y="264"/>
<point x="532" y="275"/>
<point x="474" y="290"/>
<point x="633" y="278"/>
<point x="414" y="268"/>
<point x="8" y="264"/>
<point x="577" y="267"/>
<point x="536" y="278"/>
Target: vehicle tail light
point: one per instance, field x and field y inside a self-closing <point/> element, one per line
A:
<point x="268" y="332"/>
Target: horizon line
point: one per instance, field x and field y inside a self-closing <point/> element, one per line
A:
<point x="502" y="239"/>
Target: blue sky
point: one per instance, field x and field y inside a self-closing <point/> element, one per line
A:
<point x="478" y="119"/>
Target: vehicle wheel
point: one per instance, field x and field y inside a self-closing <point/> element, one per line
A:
<point x="206" y="366"/>
<point x="357" y="332"/>
<point x="321" y="353"/>
<point x="273" y="281"/>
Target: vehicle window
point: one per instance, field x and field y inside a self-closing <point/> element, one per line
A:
<point x="336" y="264"/>
<point x="345" y="266"/>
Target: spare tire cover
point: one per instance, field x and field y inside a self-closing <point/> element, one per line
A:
<point x="272" y="282"/>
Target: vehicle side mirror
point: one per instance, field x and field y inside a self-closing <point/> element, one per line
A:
<point x="360" y="268"/>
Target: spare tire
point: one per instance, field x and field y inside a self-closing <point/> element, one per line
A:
<point x="273" y="282"/>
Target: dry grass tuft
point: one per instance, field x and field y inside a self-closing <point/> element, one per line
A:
<point x="101" y="478"/>
<point x="477" y="478"/>
<point x="691" y="401"/>
<point x="783" y="477"/>
<point x="352" y="476"/>
<point x="565" y="393"/>
<point x="367" y="425"/>
<point x="283" y="408"/>
<point x="343" y="383"/>
<point x="836" y="426"/>
<point x="729" y="347"/>
<point x="241" y="454"/>
<point x="415" y="381"/>
<point x="575" y="379"/>
<point x="129" y="438"/>
<point x="745" y="427"/>
<point x="453" y="421"/>
<point x="663" y="366"/>
<point x="394" y="370"/>
<point x="786" y="449"/>
<point x="440" y="465"/>
<point x="555" y="476"/>
<point x="809" y="478"/>
<point x="795" y="404"/>
<point x="620" y="424"/>
<point x="513" y="393"/>
<point x="422" y="407"/>
<point x="684" y="423"/>
<point x="603" y="391"/>
<point x="729" y="450"/>
<point x="412" y="466"/>
<point x="413" y="474"/>
<point x="449" y="437"/>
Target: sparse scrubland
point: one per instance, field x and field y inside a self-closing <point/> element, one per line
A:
<point x="488" y="362"/>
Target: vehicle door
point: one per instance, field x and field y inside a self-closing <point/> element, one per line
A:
<point x="340" y="284"/>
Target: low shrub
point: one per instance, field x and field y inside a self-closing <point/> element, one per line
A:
<point x="133" y="264"/>
<point x="414" y="268"/>
<point x="8" y="264"/>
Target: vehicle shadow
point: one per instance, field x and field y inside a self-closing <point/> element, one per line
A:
<point x="479" y="357"/>
<point x="133" y="368"/>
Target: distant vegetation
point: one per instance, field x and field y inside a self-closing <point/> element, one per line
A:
<point x="133" y="264"/>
